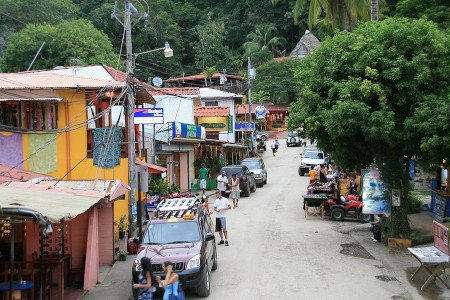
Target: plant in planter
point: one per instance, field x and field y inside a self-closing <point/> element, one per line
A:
<point x="122" y="256"/>
<point x="122" y="226"/>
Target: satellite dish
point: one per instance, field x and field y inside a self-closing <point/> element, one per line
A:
<point x="157" y="81"/>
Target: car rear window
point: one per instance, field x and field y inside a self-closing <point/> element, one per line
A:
<point x="252" y="164"/>
<point x="231" y="171"/>
<point x="313" y="155"/>
<point x="172" y="233"/>
<point x="292" y="134"/>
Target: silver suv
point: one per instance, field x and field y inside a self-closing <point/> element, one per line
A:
<point x="258" y="168"/>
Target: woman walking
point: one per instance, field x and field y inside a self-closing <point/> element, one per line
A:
<point x="145" y="280"/>
<point x="170" y="283"/>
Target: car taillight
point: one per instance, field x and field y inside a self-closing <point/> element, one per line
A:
<point x="244" y="178"/>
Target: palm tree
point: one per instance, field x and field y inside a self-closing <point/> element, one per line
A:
<point x="341" y="14"/>
<point x="262" y="44"/>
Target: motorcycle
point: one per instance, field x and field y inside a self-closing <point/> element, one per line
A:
<point x="346" y="207"/>
<point x="261" y="146"/>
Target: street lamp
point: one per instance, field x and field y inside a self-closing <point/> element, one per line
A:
<point x="168" y="52"/>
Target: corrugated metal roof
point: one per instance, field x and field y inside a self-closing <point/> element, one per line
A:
<point x="8" y="175"/>
<point x="62" y="200"/>
<point x="43" y="80"/>
<point x="174" y="91"/>
<point x="211" y="111"/>
<point x="213" y="94"/>
<point x="202" y="77"/>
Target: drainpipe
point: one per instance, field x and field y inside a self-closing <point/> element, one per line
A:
<point x="68" y="159"/>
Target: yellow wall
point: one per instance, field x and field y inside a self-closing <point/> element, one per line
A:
<point x="72" y="148"/>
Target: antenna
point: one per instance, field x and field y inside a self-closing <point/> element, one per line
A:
<point x="34" y="58"/>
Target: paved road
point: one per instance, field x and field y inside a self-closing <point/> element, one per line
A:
<point x="275" y="253"/>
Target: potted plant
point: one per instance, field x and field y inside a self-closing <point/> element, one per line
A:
<point x="122" y="256"/>
<point x="122" y="226"/>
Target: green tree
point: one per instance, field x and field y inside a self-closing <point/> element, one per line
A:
<point x="277" y="80"/>
<point x="75" y="40"/>
<point x="262" y="43"/>
<point x="435" y="10"/>
<point x="210" y="50"/>
<point x="341" y="14"/>
<point x="16" y="14"/>
<point x="379" y="95"/>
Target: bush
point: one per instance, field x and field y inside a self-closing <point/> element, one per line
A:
<point x="414" y="203"/>
<point x="276" y="125"/>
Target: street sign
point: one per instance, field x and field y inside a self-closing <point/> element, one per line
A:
<point x="244" y="126"/>
<point x="260" y="112"/>
<point x="149" y="115"/>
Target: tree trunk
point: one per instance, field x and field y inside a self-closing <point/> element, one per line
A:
<point x="374" y="10"/>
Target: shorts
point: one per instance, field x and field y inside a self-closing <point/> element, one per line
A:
<point x="235" y="194"/>
<point x="224" y="193"/>
<point x="203" y="183"/>
<point x="221" y="224"/>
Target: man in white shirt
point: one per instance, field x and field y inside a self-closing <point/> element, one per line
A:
<point x="221" y="205"/>
<point x="222" y="182"/>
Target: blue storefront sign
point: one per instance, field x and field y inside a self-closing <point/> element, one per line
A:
<point x="244" y="126"/>
<point x="187" y="131"/>
<point x="149" y="115"/>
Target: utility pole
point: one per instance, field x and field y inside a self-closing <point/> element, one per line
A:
<point x="130" y="105"/>
<point x="132" y="181"/>
<point x="249" y="98"/>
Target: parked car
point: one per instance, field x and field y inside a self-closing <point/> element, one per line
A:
<point x="310" y="159"/>
<point x="182" y="232"/>
<point x="262" y="135"/>
<point x="293" y="139"/>
<point x="247" y="180"/>
<point x="258" y="168"/>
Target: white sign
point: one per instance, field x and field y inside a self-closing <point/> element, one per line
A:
<point x="149" y="115"/>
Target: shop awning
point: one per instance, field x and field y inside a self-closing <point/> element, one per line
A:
<point x="62" y="200"/>
<point x="153" y="169"/>
<point x="235" y="146"/>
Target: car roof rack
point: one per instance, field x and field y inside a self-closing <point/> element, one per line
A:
<point x="177" y="204"/>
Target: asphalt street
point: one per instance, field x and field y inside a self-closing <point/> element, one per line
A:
<point x="275" y="253"/>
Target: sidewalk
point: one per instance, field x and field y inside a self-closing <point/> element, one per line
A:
<point x="398" y="264"/>
<point x="115" y="282"/>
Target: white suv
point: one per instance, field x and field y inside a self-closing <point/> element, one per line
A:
<point x="293" y="139"/>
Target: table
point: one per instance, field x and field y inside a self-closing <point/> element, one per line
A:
<point x="17" y="287"/>
<point x="433" y="260"/>
<point x="314" y="205"/>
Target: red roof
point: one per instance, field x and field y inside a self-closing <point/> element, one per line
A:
<point x="271" y="108"/>
<point x="153" y="169"/>
<point x="174" y="91"/>
<point x="211" y="111"/>
<point x="7" y="175"/>
<point x="122" y="77"/>
<point x="202" y="77"/>
<point x="281" y="58"/>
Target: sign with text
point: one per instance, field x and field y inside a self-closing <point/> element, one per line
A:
<point x="230" y="124"/>
<point x="244" y="126"/>
<point x="375" y="194"/>
<point x="149" y="115"/>
<point x="260" y="112"/>
<point x="219" y="124"/>
<point x="187" y="131"/>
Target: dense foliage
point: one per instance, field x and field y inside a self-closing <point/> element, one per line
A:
<point x="379" y="94"/>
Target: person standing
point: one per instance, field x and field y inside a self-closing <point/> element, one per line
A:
<point x="323" y="174"/>
<point x="170" y="283"/>
<point x="221" y="205"/>
<point x="274" y="147"/>
<point x="145" y="280"/>
<point x="203" y="174"/>
<point x="235" y="193"/>
<point x="222" y="183"/>
<point x="312" y="176"/>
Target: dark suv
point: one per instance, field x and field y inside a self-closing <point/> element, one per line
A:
<point x="180" y="232"/>
<point x="247" y="183"/>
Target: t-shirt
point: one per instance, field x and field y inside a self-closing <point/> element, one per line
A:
<point x="203" y="172"/>
<point x="222" y="186"/>
<point x="221" y="203"/>
<point x="312" y="174"/>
